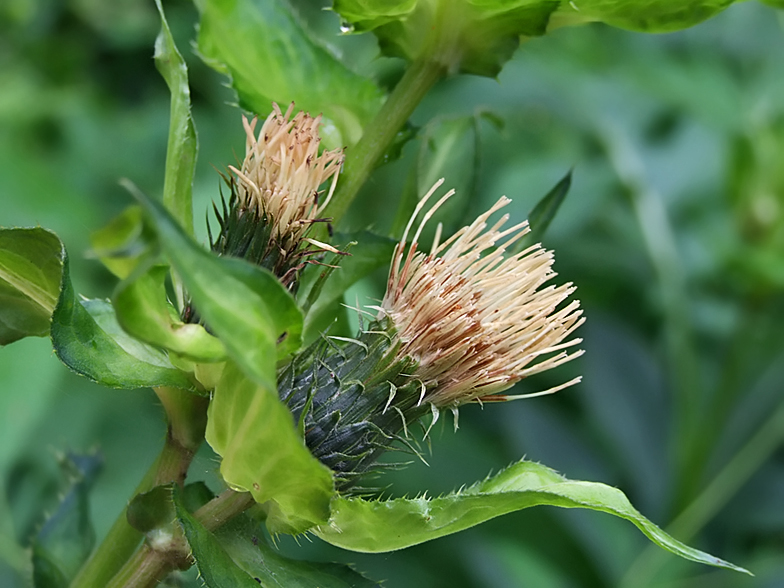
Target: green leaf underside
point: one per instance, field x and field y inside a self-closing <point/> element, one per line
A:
<point x="646" y="16"/>
<point x="271" y="570"/>
<point x="379" y="526"/>
<point x="87" y="338"/>
<point x="474" y="37"/>
<point x="487" y="32"/>
<point x="246" y="307"/>
<point x="144" y="312"/>
<point x="271" y="58"/>
<point x="31" y="267"/>
<point x="640" y="15"/>
<point x="262" y="453"/>
<point x="182" y="145"/>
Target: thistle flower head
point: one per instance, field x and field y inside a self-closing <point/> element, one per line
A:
<point x="282" y="172"/>
<point x="475" y="319"/>
<point x="464" y="322"/>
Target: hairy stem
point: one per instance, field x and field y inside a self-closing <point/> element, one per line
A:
<point x="223" y="508"/>
<point x="148" y="567"/>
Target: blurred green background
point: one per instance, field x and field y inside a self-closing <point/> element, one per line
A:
<point x="673" y="232"/>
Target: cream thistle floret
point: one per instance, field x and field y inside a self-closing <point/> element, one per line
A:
<point x="282" y="172"/>
<point x="476" y="320"/>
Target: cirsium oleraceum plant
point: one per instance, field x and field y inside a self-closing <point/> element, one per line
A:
<point x="461" y="321"/>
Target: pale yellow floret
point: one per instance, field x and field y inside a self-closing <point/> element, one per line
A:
<point x="282" y="171"/>
<point x="477" y="320"/>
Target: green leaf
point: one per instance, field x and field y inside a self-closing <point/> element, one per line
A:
<point x="246" y="306"/>
<point x="371" y="252"/>
<point x="144" y="311"/>
<point x="476" y="36"/>
<point x="122" y="243"/>
<point x="270" y="57"/>
<point x="379" y="526"/>
<point x="183" y="145"/>
<point x="367" y="15"/>
<point x="195" y="495"/>
<point x="88" y="339"/>
<point x="271" y="570"/>
<point x="484" y="34"/>
<point x="31" y="267"/>
<point x="66" y="539"/>
<point x="234" y="557"/>
<point x="544" y="212"/>
<point x="254" y="433"/>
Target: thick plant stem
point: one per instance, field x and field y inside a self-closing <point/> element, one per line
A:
<point x="187" y="416"/>
<point x="148" y="567"/>
<point x="223" y="508"/>
<point x="143" y="569"/>
<point x="381" y="131"/>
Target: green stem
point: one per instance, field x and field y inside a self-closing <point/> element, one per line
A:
<point x="381" y="131"/>
<point x="715" y="496"/>
<point x="148" y="566"/>
<point x="187" y="415"/>
<point x="143" y="569"/>
<point x="223" y="508"/>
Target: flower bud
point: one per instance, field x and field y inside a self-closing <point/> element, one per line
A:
<point x="276" y="194"/>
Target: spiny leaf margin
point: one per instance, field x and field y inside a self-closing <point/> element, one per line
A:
<point x="387" y="525"/>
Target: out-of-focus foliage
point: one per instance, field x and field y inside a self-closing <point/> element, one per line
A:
<point x="65" y="540"/>
<point x="672" y="232"/>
